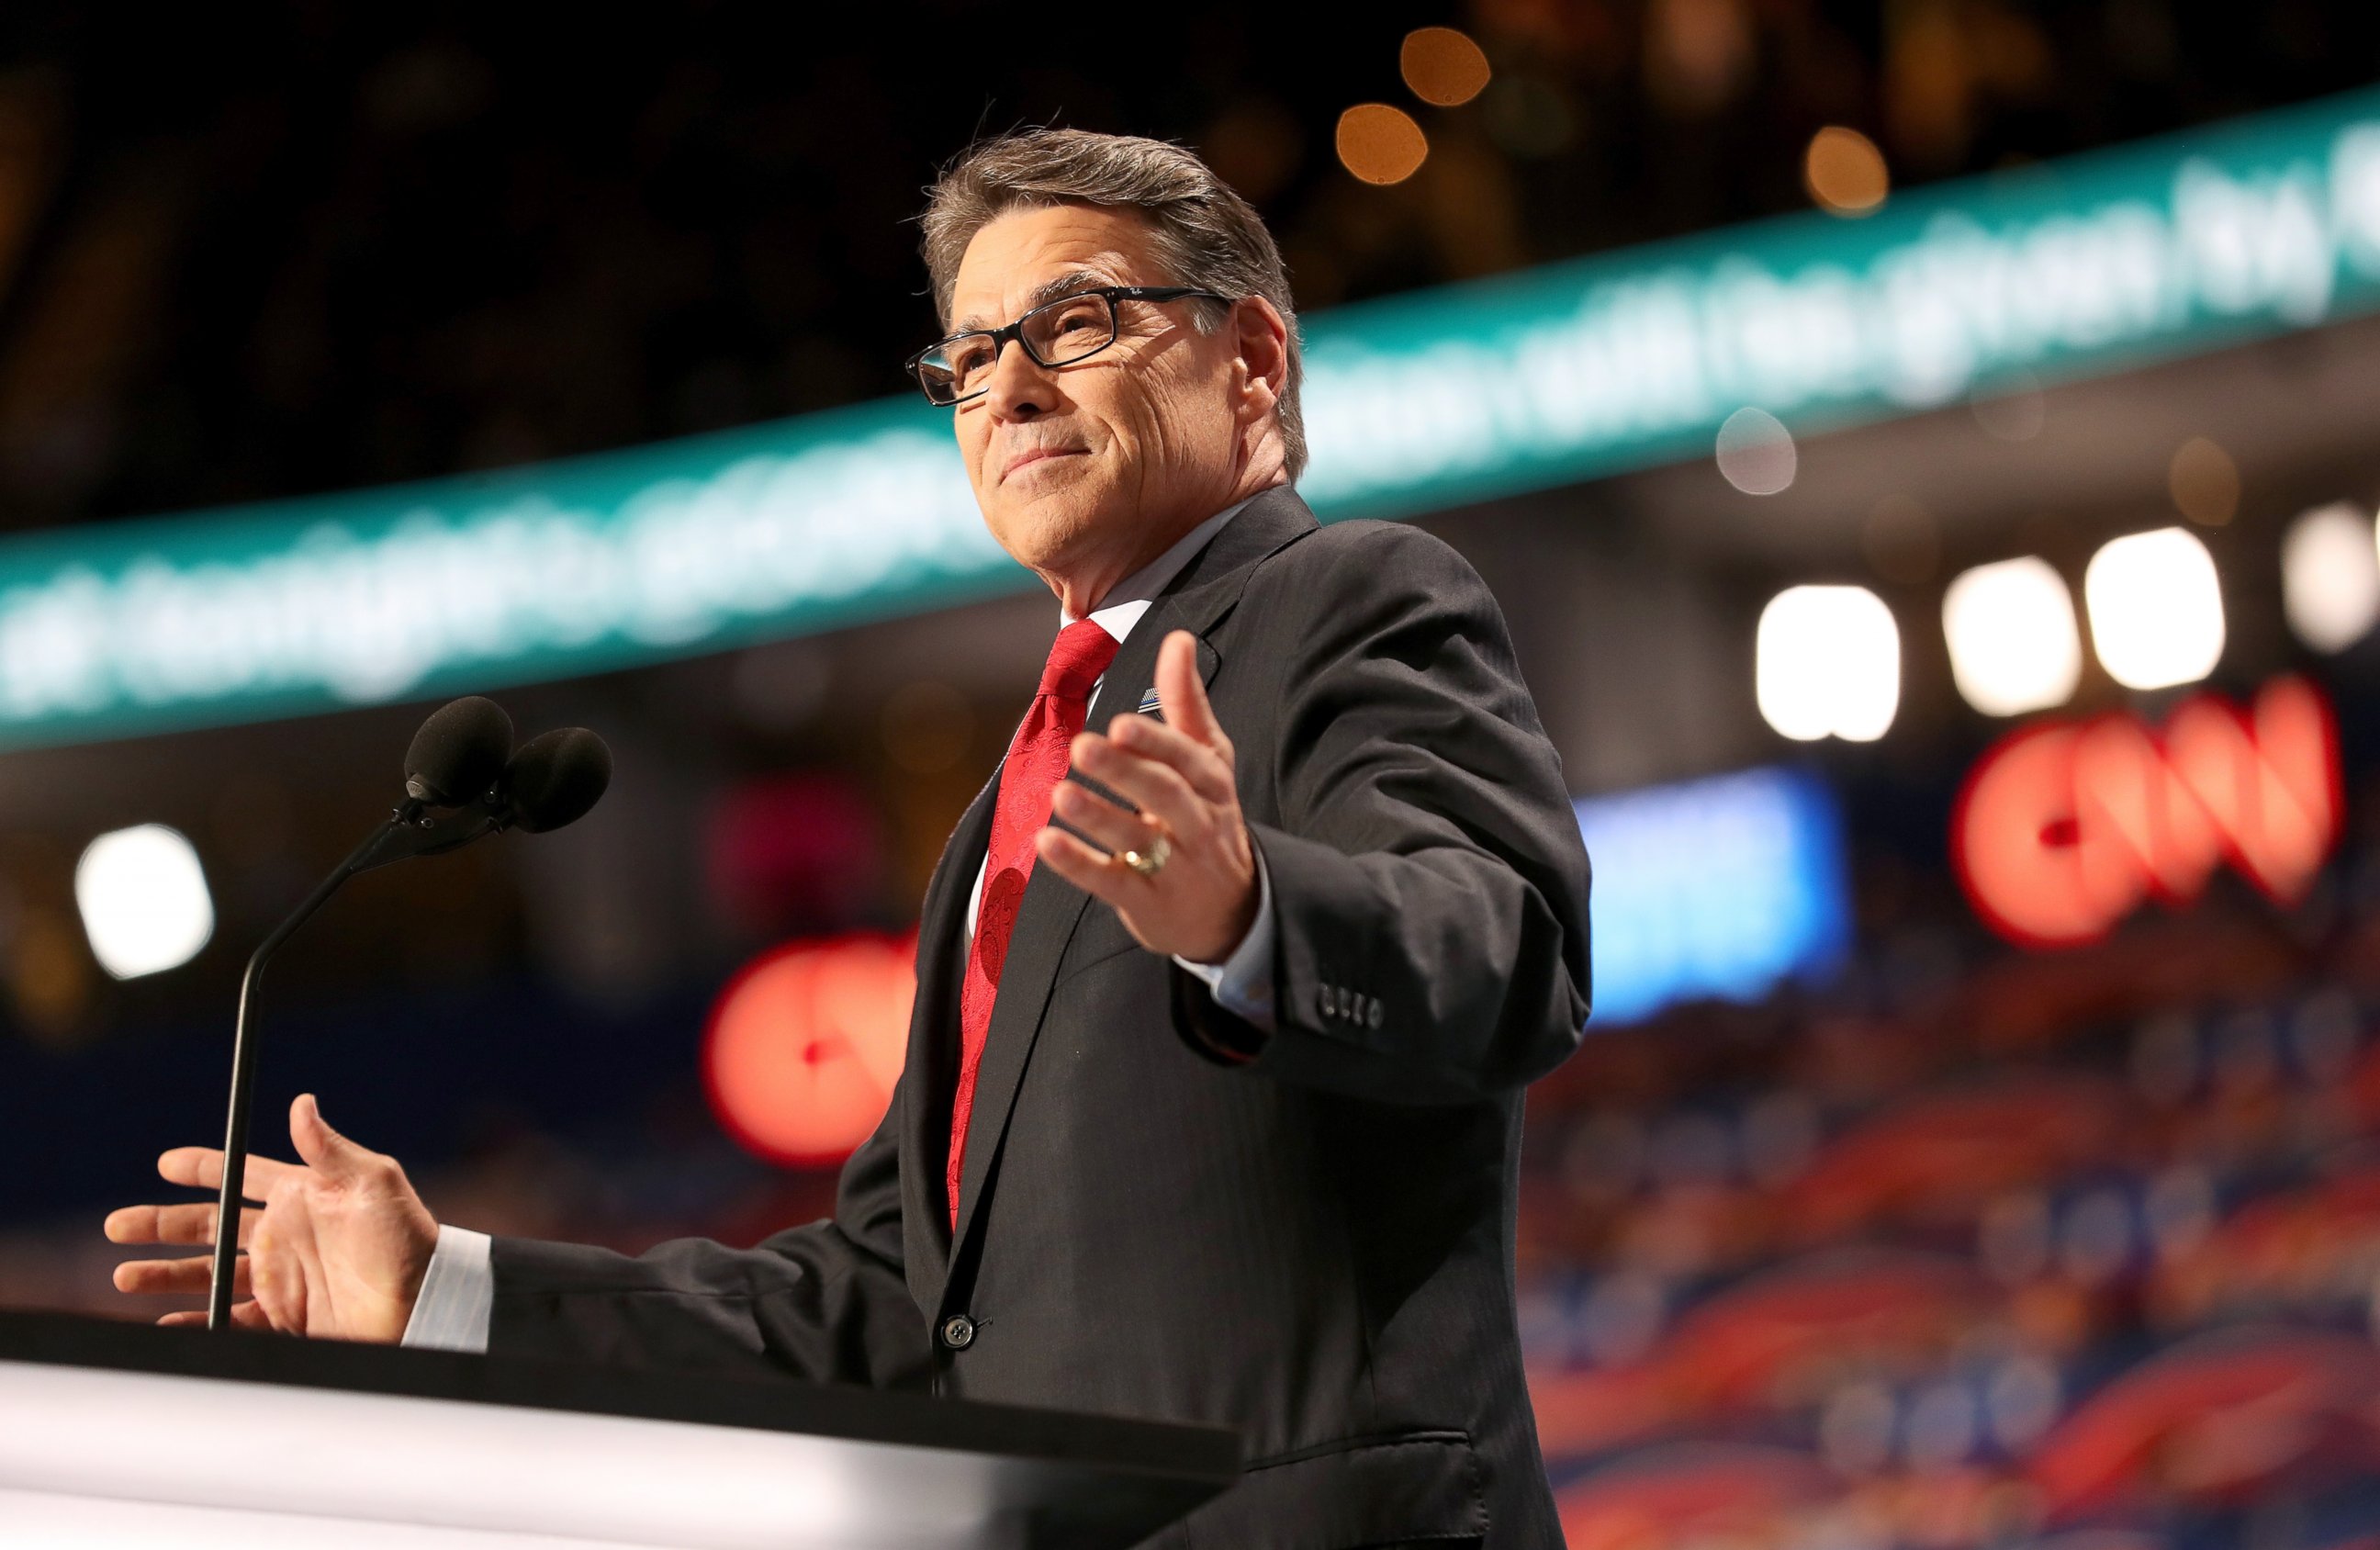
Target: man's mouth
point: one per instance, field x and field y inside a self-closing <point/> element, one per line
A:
<point x="1038" y="454"/>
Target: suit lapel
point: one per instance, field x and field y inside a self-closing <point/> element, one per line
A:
<point x="1053" y="907"/>
<point x="933" y="1053"/>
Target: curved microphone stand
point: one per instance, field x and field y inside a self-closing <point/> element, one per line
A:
<point x="407" y="834"/>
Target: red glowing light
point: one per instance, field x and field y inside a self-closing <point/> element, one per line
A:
<point x="806" y="1042"/>
<point x="2065" y="827"/>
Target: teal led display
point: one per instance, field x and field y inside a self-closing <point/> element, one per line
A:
<point x="1526" y="381"/>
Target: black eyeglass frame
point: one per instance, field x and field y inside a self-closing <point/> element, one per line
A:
<point x="1000" y="337"/>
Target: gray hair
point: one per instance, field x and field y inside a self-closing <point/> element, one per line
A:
<point x="1205" y="235"/>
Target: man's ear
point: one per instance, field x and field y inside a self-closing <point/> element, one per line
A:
<point x="1261" y="341"/>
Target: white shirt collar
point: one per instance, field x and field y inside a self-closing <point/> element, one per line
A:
<point x="1130" y="598"/>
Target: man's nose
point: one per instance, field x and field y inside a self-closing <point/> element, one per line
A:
<point x="1021" y="387"/>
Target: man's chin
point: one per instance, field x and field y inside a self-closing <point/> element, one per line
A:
<point x="1042" y="529"/>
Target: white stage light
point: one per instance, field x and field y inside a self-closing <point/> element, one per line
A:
<point x="2014" y="644"/>
<point x="2330" y="576"/>
<point x="2157" y="609"/>
<point x="144" y="900"/>
<point x="1828" y="663"/>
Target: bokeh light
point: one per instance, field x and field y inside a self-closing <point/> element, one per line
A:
<point x="2157" y="609"/>
<point x="1442" y="65"/>
<point x="49" y="977"/>
<point x="2205" y="482"/>
<point x="144" y="900"/>
<point x="1827" y="663"/>
<point x="2012" y="409"/>
<point x="805" y="1044"/>
<point x="2013" y="642"/>
<point x="2330" y="576"/>
<point x="1380" y="144"/>
<point x="1755" y="453"/>
<point x="1699" y="55"/>
<point x="1845" y="172"/>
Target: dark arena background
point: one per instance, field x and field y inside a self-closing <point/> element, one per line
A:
<point x="1926" y="455"/>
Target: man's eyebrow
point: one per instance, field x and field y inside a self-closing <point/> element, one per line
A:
<point x="1050" y="290"/>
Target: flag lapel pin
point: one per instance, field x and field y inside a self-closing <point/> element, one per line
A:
<point x="1148" y="705"/>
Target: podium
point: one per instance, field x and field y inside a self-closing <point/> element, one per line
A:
<point x="127" y="1434"/>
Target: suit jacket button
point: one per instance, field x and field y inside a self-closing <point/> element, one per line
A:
<point x="1346" y="1002"/>
<point x="958" y="1332"/>
<point x="1372" y="1016"/>
<point x="1329" y="1002"/>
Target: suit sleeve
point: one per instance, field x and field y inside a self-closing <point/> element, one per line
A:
<point x="1429" y="884"/>
<point x="827" y="1302"/>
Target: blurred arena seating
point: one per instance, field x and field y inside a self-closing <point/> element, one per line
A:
<point x="2079" y="1250"/>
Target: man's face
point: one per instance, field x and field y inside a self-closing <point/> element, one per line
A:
<point x="1077" y="467"/>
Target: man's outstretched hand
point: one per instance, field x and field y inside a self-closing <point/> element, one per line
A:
<point x="1180" y="778"/>
<point x="338" y="1250"/>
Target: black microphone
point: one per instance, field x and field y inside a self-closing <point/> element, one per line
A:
<point x="458" y="753"/>
<point x="555" y="779"/>
<point x="462" y="759"/>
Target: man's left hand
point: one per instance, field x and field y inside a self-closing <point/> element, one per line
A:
<point x="1199" y="904"/>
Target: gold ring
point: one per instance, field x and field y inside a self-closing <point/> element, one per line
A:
<point x="1149" y="865"/>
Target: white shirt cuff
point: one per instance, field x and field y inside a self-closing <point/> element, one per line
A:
<point x="1242" y="984"/>
<point x="457" y="1296"/>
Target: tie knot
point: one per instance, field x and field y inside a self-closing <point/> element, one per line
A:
<point x="1077" y="657"/>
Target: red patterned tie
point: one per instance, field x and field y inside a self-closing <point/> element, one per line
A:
<point x="1036" y="761"/>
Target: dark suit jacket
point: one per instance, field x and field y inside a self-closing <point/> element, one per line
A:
<point x="1306" y="1236"/>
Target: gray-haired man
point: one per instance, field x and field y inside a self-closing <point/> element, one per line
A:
<point x="1213" y="1093"/>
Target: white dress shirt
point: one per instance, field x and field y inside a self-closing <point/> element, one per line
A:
<point x="457" y="1297"/>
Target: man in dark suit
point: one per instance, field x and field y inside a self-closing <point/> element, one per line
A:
<point x="1213" y="1102"/>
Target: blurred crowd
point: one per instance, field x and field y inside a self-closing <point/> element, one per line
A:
<point x="2073" y="1249"/>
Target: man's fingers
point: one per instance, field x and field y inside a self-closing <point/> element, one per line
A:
<point x="280" y="1288"/>
<point x="169" y="1275"/>
<point x="171" y="1224"/>
<point x="1104" y="823"/>
<point x="197" y="1166"/>
<point x="1154" y="787"/>
<point x="1205" y="771"/>
<point x="1179" y="691"/>
<point x="1090" y="870"/>
<point x="201" y="1167"/>
<point x="325" y="1150"/>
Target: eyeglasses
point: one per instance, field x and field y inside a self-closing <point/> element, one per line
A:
<point x="1055" y="333"/>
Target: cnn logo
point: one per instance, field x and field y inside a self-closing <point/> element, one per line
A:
<point x="2064" y="828"/>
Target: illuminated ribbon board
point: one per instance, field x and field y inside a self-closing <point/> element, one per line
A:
<point x="1418" y="403"/>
